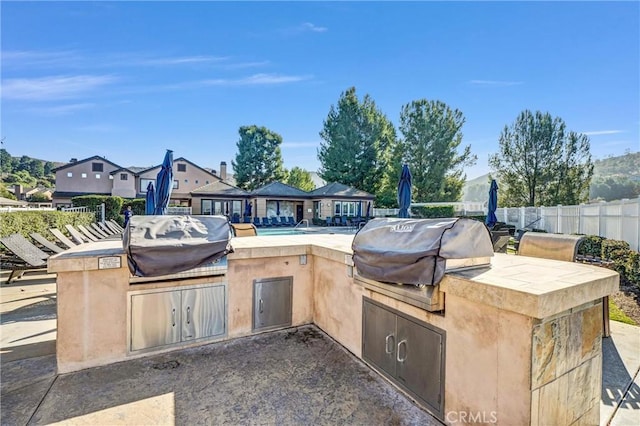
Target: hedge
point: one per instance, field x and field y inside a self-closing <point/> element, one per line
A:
<point x="26" y="222"/>
<point x="426" y="212"/>
<point x="112" y="205"/>
<point x="625" y="261"/>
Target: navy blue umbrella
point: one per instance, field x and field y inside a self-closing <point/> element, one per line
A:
<point x="277" y="208"/>
<point x="404" y="192"/>
<point x="359" y="209"/>
<point x="150" y="200"/>
<point x="247" y="208"/>
<point x="493" y="204"/>
<point x="369" y="209"/>
<point x="164" y="184"/>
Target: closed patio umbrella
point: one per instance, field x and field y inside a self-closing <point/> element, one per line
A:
<point x="277" y="208"/>
<point x="493" y="204"/>
<point x="404" y="192"/>
<point x="247" y="208"/>
<point x="164" y="184"/>
<point x="150" y="200"/>
<point x="368" y="209"/>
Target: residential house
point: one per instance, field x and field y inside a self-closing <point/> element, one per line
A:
<point x="337" y="199"/>
<point x="219" y="198"/>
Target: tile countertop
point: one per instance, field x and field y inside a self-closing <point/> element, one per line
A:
<point x="534" y="287"/>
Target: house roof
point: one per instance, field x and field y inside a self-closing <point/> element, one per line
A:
<point x="131" y="169"/>
<point x="279" y="189"/>
<point x="220" y="188"/>
<point x="144" y="170"/>
<point x="94" y="158"/>
<point x="63" y="194"/>
<point x="335" y="189"/>
<point x="10" y="202"/>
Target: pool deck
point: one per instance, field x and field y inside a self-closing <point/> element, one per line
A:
<point x="293" y="376"/>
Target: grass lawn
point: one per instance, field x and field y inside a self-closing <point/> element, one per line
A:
<point x="616" y="314"/>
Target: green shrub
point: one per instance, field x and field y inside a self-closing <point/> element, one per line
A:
<point x="26" y="222"/>
<point x="138" y="206"/>
<point x="591" y="246"/>
<point x="632" y="268"/>
<point x="426" y="212"/>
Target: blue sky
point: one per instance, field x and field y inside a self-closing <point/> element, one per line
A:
<point x="126" y="80"/>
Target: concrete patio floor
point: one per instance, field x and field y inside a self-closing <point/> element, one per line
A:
<point x="294" y="376"/>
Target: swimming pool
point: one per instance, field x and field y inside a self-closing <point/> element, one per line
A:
<point x="303" y="231"/>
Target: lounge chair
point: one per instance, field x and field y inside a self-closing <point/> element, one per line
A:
<point x="115" y="225"/>
<point x="84" y="231"/>
<point x="98" y="231"/>
<point x="62" y="238"/>
<point x="266" y="222"/>
<point x="25" y="256"/>
<point x="275" y="221"/>
<point x="284" y="221"/>
<point x="256" y="221"/>
<point x="244" y="230"/>
<point x="105" y="228"/>
<point x="53" y="248"/>
<point x="291" y="221"/>
<point x="76" y="235"/>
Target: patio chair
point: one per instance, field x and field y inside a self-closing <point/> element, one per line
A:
<point x="266" y="222"/>
<point x="87" y="233"/>
<point x="24" y="256"/>
<point x="275" y="221"/>
<point x="256" y="222"/>
<point x="53" y="248"/>
<point x="244" y="230"/>
<point x="98" y="231"/>
<point x="115" y="225"/>
<point x="246" y="219"/>
<point x="328" y="221"/>
<point x="113" y="228"/>
<point x="500" y="240"/>
<point x="62" y="238"/>
<point x="291" y="221"/>
<point x="284" y="221"/>
<point x="105" y="228"/>
<point x="76" y="235"/>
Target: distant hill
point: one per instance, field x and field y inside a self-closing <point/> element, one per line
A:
<point x="622" y="167"/>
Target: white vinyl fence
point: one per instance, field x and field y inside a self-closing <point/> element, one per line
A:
<point x="616" y="220"/>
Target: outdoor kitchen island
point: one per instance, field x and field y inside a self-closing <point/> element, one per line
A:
<point x="519" y="341"/>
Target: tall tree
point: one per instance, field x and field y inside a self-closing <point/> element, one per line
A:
<point x="431" y="136"/>
<point x="301" y="179"/>
<point x="259" y="159"/>
<point x="6" y="161"/>
<point x="358" y="139"/>
<point x="539" y="163"/>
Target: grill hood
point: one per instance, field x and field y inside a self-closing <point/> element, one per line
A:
<point x="415" y="251"/>
<point x="161" y="245"/>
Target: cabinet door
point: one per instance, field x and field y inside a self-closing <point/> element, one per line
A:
<point x="379" y="337"/>
<point x="272" y="303"/>
<point x="419" y="357"/>
<point x="203" y="312"/>
<point x="155" y="319"/>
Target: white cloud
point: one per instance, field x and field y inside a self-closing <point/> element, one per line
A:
<point x="602" y="132"/>
<point x="62" y="109"/>
<point x="308" y="26"/>
<point x="53" y="87"/>
<point x="180" y="60"/>
<point x="256" y="79"/>
<point x="495" y="83"/>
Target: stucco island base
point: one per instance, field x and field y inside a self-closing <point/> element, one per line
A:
<point x="522" y="336"/>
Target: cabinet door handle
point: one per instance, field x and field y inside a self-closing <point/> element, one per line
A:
<point x="261" y="305"/>
<point x="386" y="344"/>
<point x="402" y="342"/>
<point x="173" y="317"/>
<point x="188" y="315"/>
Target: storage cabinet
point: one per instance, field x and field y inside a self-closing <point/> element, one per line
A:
<point x="166" y="317"/>
<point x="272" y="299"/>
<point x="407" y="351"/>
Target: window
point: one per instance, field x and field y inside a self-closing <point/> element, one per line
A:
<point x="145" y="182"/>
<point x="84" y="176"/>
<point x="182" y="167"/>
<point x="111" y="177"/>
<point x="69" y="174"/>
<point x="97" y="167"/>
<point x="97" y="175"/>
<point x="206" y="182"/>
<point x="175" y="184"/>
<point x="196" y="181"/>
<point x="124" y="176"/>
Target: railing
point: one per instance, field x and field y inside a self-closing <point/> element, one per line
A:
<point x="617" y="220"/>
<point x="306" y="221"/>
<point x="81" y="209"/>
<point x="179" y="210"/>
